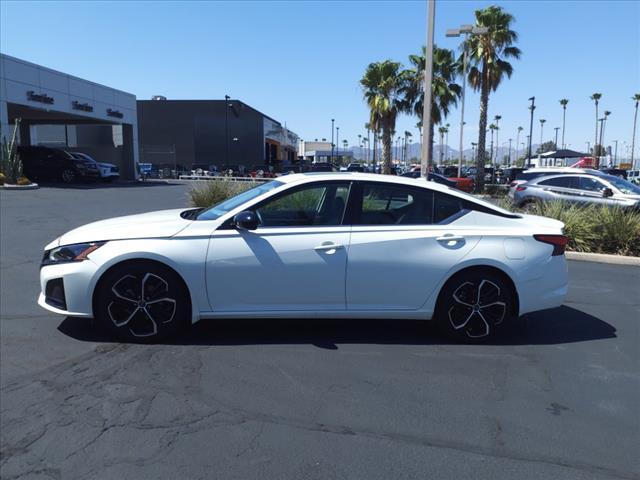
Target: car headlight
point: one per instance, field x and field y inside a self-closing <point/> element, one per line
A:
<point x="70" y="253"/>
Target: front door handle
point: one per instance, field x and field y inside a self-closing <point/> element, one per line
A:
<point x="450" y="239"/>
<point x="327" y="247"/>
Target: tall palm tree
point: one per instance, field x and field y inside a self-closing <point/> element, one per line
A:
<point x="488" y="55"/>
<point x="492" y="127"/>
<point x="442" y="131"/>
<point x="563" y="102"/>
<point x="445" y="92"/>
<point x="542" y="122"/>
<point x="635" y="98"/>
<point x="518" y="141"/>
<point x="596" y="99"/>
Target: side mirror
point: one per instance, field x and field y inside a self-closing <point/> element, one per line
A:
<point x="607" y="192"/>
<point x="246" y="220"/>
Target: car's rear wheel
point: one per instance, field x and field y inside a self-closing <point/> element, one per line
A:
<point x="474" y="305"/>
<point x="142" y="302"/>
<point x="68" y="175"/>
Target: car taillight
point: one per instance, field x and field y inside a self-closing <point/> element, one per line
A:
<point x="520" y="188"/>
<point x="559" y="242"/>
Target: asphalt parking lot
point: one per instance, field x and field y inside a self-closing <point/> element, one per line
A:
<point x="558" y="396"/>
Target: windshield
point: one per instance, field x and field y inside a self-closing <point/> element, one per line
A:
<point x="623" y="185"/>
<point x="220" y="209"/>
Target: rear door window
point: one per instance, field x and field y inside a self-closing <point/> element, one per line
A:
<point x="568" y="181"/>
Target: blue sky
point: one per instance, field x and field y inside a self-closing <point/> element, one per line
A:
<point x="300" y="62"/>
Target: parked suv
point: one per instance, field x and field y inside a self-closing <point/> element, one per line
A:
<point x="108" y="171"/>
<point x="580" y="189"/>
<point x="45" y="163"/>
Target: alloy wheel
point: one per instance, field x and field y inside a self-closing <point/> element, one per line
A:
<point x="68" y="175"/>
<point x="477" y="307"/>
<point x="140" y="303"/>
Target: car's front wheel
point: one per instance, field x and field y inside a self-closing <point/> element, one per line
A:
<point x="142" y="302"/>
<point x="474" y="305"/>
<point x="68" y="175"/>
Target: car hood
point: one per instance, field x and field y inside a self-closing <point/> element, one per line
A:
<point x="161" y="224"/>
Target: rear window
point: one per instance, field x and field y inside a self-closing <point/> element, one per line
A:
<point x="568" y="181"/>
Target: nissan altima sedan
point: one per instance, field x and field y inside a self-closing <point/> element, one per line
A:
<point x="323" y="245"/>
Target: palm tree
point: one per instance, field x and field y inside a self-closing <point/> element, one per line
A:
<point x="518" y="140"/>
<point x="442" y="131"/>
<point x="488" y="55"/>
<point x="492" y="127"/>
<point x="444" y="91"/>
<point x="563" y="102"/>
<point x="635" y="98"/>
<point x="542" y="122"/>
<point x="596" y="98"/>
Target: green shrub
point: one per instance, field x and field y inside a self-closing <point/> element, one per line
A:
<point x="10" y="164"/>
<point x="211" y="192"/>
<point x="592" y="228"/>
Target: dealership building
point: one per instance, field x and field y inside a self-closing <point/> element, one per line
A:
<point x="211" y="133"/>
<point x="64" y="111"/>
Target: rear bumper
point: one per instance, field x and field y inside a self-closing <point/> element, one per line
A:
<point x="548" y="289"/>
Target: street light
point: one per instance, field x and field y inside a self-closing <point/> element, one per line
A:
<point x="226" y="130"/>
<point x="332" y="121"/>
<point x="532" y="107"/>
<point x="337" y="144"/>
<point x="556" y="129"/>
<point x="456" y="32"/>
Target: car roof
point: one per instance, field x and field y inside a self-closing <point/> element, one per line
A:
<point x="391" y="179"/>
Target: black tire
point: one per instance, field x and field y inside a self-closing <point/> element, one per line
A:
<point x="120" y="306"/>
<point x="68" y="175"/>
<point x="464" y="315"/>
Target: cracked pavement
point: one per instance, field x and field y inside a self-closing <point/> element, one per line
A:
<point x="557" y="397"/>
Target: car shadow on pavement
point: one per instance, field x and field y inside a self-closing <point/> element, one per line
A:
<point x="550" y="327"/>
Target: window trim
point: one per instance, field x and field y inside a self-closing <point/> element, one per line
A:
<point x="294" y="189"/>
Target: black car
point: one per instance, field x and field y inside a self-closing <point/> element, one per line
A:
<point x="323" y="167"/>
<point x="509" y="174"/>
<point x="45" y="163"/>
<point x="616" y="172"/>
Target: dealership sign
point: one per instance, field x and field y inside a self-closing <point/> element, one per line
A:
<point x="85" y="107"/>
<point x="114" y="113"/>
<point x="39" y="97"/>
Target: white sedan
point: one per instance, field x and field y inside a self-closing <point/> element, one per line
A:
<point x="324" y="245"/>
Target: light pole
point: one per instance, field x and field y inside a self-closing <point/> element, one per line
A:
<point x="338" y="144"/>
<point x="615" y="155"/>
<point x="601" y="120"/>
<point x="332" y="121"/>
<point x="446" y="133"/>
<point x="510" y="140"/>
<point x="456" y="32"/>
<point x="532" y="107"/>
<point x="226" y="130"/>
<point x="518" y="140"/>
<point x="604" y="129"/>
<point x="473" y="152"/>
<point x="556" y="143"/>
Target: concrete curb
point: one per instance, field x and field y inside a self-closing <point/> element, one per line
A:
<point x="603" y="258"/>
<point x="31" y="186"/>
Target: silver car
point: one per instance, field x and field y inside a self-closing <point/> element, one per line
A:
<point x="580" y="189"/>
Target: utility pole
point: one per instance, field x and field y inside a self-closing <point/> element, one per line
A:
<point x="338" y="144"/>
<point x="332" y="145"/>
<point x="510" y="151"/>
<point x="556" y="129"/>
<point x="428" y="79"/>
<point x="615" y="155"/>
<point x="532" y="107"/>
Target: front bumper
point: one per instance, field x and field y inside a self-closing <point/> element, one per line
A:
<point x="76" y="279"/>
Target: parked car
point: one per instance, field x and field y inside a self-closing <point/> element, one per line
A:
<point x="262" y="171"/>
<point x="617" y="172"/>
<point x="633" y="176"/>
<point x="509" y="174"/>
<point x="322" y="167"/>
<point x="579" y="189"/>
<point x="355" y="167"/>
<point x="463" y="262"/>
<point x="433" y="177"/>
<point x="108" y="171"/>
<point x="45" y="163"/>
<point x="532" y="173"/>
